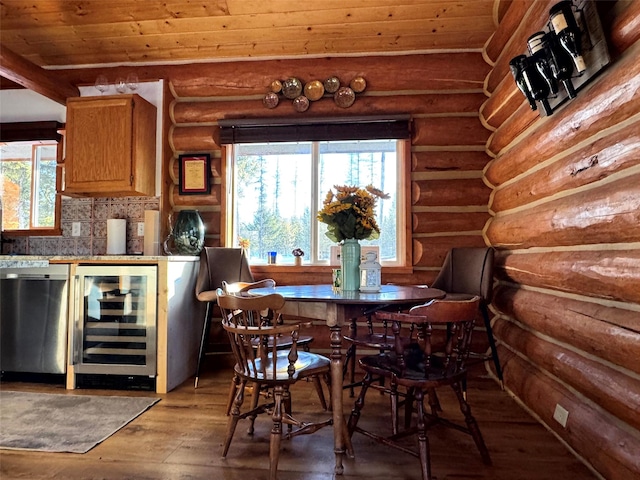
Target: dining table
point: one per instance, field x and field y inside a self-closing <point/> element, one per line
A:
<point x="337" y="308"/>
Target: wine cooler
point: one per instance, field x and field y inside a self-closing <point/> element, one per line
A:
<point x="114" y="320"/>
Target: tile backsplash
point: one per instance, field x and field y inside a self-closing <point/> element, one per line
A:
<point x="92" y="215"/>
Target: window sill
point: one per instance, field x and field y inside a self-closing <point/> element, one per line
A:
<point x="306" y="269"/>
<point x="36" y="232"/>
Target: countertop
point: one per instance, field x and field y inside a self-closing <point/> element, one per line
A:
<point x="33" y="261"/>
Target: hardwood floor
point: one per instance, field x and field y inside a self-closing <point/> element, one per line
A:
<point x="181" y="437"/>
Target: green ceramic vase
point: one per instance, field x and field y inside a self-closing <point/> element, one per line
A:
<point x="350" y="265"/>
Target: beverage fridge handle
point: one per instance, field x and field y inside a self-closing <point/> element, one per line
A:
<point x="75" y="331"/>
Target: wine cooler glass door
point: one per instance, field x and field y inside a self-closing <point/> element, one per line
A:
<point x="116" y="320"/>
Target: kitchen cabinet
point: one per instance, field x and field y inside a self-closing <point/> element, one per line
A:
<point x="110" y="146"/>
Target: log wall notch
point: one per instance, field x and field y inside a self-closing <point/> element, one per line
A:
<point x="565" y="224"/>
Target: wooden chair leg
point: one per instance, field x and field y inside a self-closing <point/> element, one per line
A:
<point x="434" y="402"/>
<point x="286" y="402"/>
<point x="318" y="386"/>
<point x="408" y="407"/>
<point x="233" y="390"/>
<point x="276" y="433"/>
<point x="423" y="440"/>
<point x="359" y="404"/>
<point x="472" y="425"/>
<point x="255" y="397"/>
<point x="206" y="329"/>
<point x="347" y="439"/>
<point x="233" y="419"/>
<point x="393" y="398"/>
<point x="492" y="343"/>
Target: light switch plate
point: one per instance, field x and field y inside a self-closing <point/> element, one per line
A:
<point x="75" y="229"/>
<point x="141" y="229"/>
<point x="561" y="415"/>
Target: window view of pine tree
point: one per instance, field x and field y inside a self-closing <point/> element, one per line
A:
<point x="279" y="189"/>
<point x="28" y="185"/>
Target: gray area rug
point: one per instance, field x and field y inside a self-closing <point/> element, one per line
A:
<point x="64" y="423"/>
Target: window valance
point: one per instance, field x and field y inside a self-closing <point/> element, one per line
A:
<point x="27" y="131"/>
<point x="264" y="130"/>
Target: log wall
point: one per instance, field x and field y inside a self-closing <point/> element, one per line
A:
<point x="448" y="196"/>
<point x="565" y="206"/>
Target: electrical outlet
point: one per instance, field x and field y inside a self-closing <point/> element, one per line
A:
<point x="561" y="415"/>
<point x="75" y="229"/>
<point x="141" y="229"/>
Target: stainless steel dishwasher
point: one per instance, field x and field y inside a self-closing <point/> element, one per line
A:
<point x="33" y="319"/>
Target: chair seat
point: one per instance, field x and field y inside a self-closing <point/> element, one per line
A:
<point x="386" y="364"/>
<point x="286" y="341"/>
<point x="308" y="364"/>
<point x="372" y="340"/>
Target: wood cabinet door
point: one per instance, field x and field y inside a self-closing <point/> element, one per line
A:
<point x="99" y="145"/>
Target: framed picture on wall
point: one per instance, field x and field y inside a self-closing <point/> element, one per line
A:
<point x="194" y="170"/>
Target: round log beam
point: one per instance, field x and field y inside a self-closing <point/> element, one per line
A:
<point x="509" y="23"/>
<point x="448" y="160"/>
<point x="449" y="131"/>
<point x="210" y="111"/>
<point x="609" y="333"/>
<point x="616" y="392"/>
<point x="193" y="139"/>
<point x="609" y="274"/>
<point x="608" y="213"/>
<point x="614" y="454"/>
<point x="535" y="19"/>
<point x="450" y="192"/>
<point x="603" y="157"/>
<point x="504" y="101"/>
<point x="450" y="222"/>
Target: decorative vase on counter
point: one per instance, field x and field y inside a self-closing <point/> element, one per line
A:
<point x="188" y="233"/>
<point x="350" y="264"/>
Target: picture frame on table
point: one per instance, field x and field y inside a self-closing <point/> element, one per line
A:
<point x="194" y="174"/>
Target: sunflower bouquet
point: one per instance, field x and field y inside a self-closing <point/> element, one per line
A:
<point x="350" y="213"/>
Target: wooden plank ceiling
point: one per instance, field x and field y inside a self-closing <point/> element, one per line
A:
<point x="74" y="33"/>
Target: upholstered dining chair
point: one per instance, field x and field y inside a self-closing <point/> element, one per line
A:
<point x="431" y="347"/>
<point x="282" y="341"/>
<point x="217" y="264"/>
<point x="467" y="272"/>
<point x="259" y="361"/>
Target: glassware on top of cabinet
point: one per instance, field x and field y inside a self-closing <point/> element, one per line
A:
<point x="132" y="82"/>
<point x="102" y="84"/>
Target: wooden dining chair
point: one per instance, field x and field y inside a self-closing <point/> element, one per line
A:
<point x="217" y="264"/>
<point x="376" y="336"/>
<point x="282" y="341"/>
<point x="259" y="361"/>
<point x="468" y="272"/>
<point x="431" y="348"/>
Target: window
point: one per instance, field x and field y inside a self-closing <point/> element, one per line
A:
<point x="278" y="188"/>
<point x="28" y="176"/>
